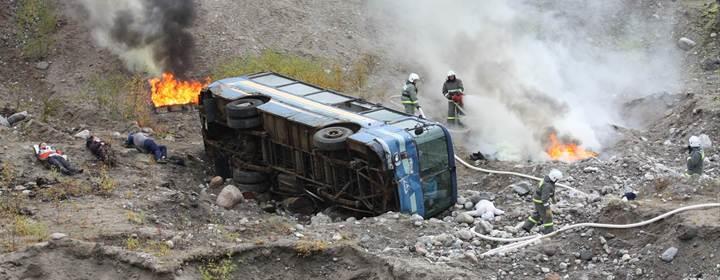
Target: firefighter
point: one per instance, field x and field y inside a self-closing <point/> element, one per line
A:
<point x="409" y="94"/>
<point x="542" y="216"/>
<point x="453" y="90"/>
<point x="696" y="157"/>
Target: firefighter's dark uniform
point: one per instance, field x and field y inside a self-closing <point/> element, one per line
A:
<point x="409" y="97"/>
<point x="453" y="91"/>
<point x="542" y="216"/>
<point x="695" y="161"/>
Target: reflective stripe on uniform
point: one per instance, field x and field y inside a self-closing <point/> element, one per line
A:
<point x="537" y="201"/>
<point x="532" y="220"/>
<point x="453" y="118"/>
<point x="409" y="102"/>
<point x="548" y="225"/>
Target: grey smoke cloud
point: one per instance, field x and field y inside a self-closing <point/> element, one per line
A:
<point x="530" y="65"/>
<point x="148" y="35"/>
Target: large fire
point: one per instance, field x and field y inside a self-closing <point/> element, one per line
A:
<point x="558" y="150"/>
<point x="167" y="90"/>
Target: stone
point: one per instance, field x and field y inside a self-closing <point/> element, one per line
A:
<point x="710" y="64"/>
<point x="639" y="272"/>
<point x="549" y="250"/>
<point x="586" y="255"/>
<point x="418" y="223"/>
<point x="669" y="254"/>
<point x="553" y="276"/>
<point x="469" y="205"/>
<point x="686" y="44"/>
<point x="545" y="269"/>
<point x="484" y="227"/>
<point x="521" y="188"/>
<point x="57" y="236"/>
<point x="19" y="188"/>
<point x="337" y="237"/>
<point x="464" y="218"/>
<point x="416" y="217"/>
<point x="471" y="256"/>
<point x="687" y="232"/>
<point x="320" y="219"/>
<point x="443" y="239"/>
<point x="170" y="244"/>
<point x="42" y="65"/>
<point x="461" y="200"/>
<point x="83" y="134"/>
<point x="591" y="169"/>
<point x="625" y="258"/>
<point x="563" y="266"/>
<point x="229" y="197"/>
<point x="147" y="130"/>
<point x="464" y="235"/>
<point x="216" y="182"/>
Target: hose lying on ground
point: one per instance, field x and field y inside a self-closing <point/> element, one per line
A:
<point x="527" y="240"/>
<point x="513" y="174"/>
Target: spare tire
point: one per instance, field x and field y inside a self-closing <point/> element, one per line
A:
<point x="248" y="123"/>
<point x="331" y="138"/>
<point x="242" y="108"/>
<point x="249" y="177"/>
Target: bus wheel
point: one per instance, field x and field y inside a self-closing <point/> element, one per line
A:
<point x="243" y="123"/>
<point x="331" y="138"/>
<point x="243" y="108"/>
<point x="249" y="177"/>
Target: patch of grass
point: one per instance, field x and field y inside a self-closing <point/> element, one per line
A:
<point x="7" y="174"/>
<point x="321" y="72"/>
<point x="33" y="230"/>
<point x="107" y="183"/>
<point x="132" y="243"/>
<point x="137" y="218"/>
<point x="36" y="22"/>
<point x="121" y="97"/>
<point x="50" y="107"/>
<point x="217" y="269"/>
<point x="306" y="248"/>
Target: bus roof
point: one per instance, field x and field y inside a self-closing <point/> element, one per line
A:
<point x="310" y="104"/>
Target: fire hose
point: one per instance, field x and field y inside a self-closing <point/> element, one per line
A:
<point x="527" y="240"/>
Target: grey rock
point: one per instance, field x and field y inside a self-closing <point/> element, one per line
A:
<point x="417" y="223"/>
<point x="83" y="134"/>
<point x="216" y="182"/>
<point x="147" y="130"/>
<point x="469" y="205"/>
<point x="464" y="235"/>
<point x="710" y="64"/>
<point x="686" y="44"/>
<point x="57" y="236"/>
<point x="443" y="239"/>
<point x="563" y="266"/>
<point x="687" y="232"/>
<point x="550" y="250"/>
<point x="464" y="218"/>
<point x="19" y="188"/>
<point x="586" y="255"/>
<point x="591" y="169"/>
<point x="484" y="227"/>
<point x="669" y="254"/>
<point x="42" y="65"/>
<point x="229" y="197"/>
<point x="320" y="219"/>
<point x="4" y="122"/>
<point x="522" y="188"/>
<point x="416" y="217"/>
<point x="639" y="272"/>
<point x="461" y="200"/>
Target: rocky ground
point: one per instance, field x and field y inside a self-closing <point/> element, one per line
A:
<point x="142" y="220"/>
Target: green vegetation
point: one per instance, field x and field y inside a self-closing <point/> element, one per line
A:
<point x="120" y="96"/>
<point x="316" y="71"/>
<point x="136" y="218"/>
<point x="107" y="183"/>
<point x="36" y="22"/>
<point x="217" y="269"/>
<point x="306" y="248"/>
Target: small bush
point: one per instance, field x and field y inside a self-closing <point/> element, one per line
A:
<point x="217" y="269"/>
<point x="132" y="243"/>
<point x="324" y="73"/>
<point x="7" y="174"/>
<point x="36" y="22"/>
<point x="25" y="227"/>
<point x="136" y="218"/>
<point x="306" y="248"/>
<point x="107" y="183"/>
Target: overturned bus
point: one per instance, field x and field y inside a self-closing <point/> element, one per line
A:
<point x="273" y="133"/>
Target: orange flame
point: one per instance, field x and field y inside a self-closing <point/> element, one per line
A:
<point x="167" y="90"/>
<point x="557" y="150"/>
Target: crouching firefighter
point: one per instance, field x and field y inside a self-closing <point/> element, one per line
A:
<point x="696" y="158"/>
<point x="453" y="90"/>
<point x="542" y="216"/>
<point x="409" y="96"/>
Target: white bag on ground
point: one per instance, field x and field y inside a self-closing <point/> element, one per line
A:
<point x="486" y="210"/>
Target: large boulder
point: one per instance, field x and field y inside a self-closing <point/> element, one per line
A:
<point x="229" y="197"/>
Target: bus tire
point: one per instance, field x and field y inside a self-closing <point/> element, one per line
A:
<point x="243" y="108"/>
<point x="210" y="108"/>
<point x="249" y="177"/>
<point x="243" y="123"/>
<point x="221" y="166"/>
<point x="256" y="188"/>
<point x="331" y="138"/>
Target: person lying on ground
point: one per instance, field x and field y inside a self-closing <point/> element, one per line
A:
<point x="9" y="117"/>
<point x="100" y="149"/>
<point x="146" y="144"/>
<point x="55" y="159"/>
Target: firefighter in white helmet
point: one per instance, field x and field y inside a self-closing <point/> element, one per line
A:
<point x="453" y="90"/>
<point x="696" y="157"/>
<point x="409" y="96"/>
<point x="542" y="216"/>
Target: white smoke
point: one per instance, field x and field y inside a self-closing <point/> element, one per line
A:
<point x="531" y="65"/>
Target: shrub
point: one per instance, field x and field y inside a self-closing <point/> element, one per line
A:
<point x="306" y="248"/>
<point x="217" y="269"/>
<point x="36" y="22"/>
